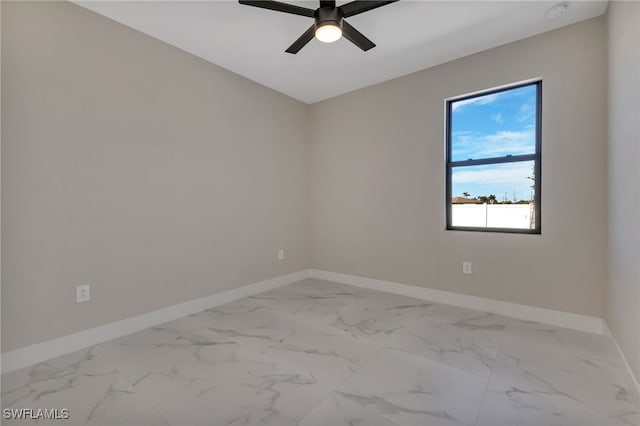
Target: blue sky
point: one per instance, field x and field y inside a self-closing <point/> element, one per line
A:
<point x="490" y="126"/>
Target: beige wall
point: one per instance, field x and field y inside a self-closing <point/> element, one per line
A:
<point x="132" y="166"/>
<point x="622" y="306"/>
<point x="157" y="177"/>
<point x="377" y="178"/>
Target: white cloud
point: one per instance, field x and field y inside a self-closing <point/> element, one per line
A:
<point x="510" y="137"/>
<point x="526" y="112"/>
<point x="498" y="118"/>
<point x="498" y="144"/>
<point x="481" y="100"/>
<point x="510" y="174"/>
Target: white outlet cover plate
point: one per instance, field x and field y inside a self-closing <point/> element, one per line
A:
<point x="83" y="293"/>
<point x="280" y="254"/>
<point x="466" y="267"/>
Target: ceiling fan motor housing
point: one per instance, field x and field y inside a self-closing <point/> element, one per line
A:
<point x="327" y="16"/>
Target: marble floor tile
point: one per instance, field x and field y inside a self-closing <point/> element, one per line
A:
<point x="317" y="301"/>
<point x="257" y="321"/>
<point x="340" y="409"/>
<point x="530" y="340"/>
<point x="454" y="336"/>
<point x="273" y="369"/>
<point x="404" y="389"/>
<point x="585" y="392"/>
<point x="471" y="350"/>
<point x="277" y="381"/>
<point x="186" y="341"/>
<point x="91" y="390"/>
<point x="323" y="301"/>
<point x="124" y="405"/>
<point x="382" y="325"/>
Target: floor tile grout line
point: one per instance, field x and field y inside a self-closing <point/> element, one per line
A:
<point x="142" y="396"/>
<point x="335" y="389"/>
<point x="486" y="388"/>
<point x="119" y="373"/>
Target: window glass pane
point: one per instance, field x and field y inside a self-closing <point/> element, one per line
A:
<point x="494" y="125"/>
<point x="494" y="195"/>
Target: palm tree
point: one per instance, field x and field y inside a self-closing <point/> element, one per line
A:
<point x="532" y="178"/>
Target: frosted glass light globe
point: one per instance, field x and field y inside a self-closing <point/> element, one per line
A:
<point x="328" y="33"/>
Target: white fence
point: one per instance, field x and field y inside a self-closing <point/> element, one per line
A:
<point x="493" y="215"/>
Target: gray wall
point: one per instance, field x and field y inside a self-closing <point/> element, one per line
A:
<point x="622" y="306"/>
<point x="378" y="179"/>
<point x="132" y="166"/>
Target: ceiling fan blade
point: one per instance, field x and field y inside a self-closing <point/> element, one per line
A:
<point x="279" y="7"/>
<point x="302" y="40"/>
<point x="328" y="3"/>
<point x="356" y="37"/>
<point x="359" y="6"/>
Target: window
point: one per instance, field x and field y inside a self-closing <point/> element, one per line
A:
<point x="493" y="160"/>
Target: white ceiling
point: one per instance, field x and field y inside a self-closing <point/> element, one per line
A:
<point x="410" y="36"/>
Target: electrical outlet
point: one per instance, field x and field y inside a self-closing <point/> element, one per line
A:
<point x="466" y="267"/>
<point x="281" y="254"/>
<point x="83" y="293"/>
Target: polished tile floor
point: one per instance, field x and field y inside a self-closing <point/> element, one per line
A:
<point x="321" y="353"/>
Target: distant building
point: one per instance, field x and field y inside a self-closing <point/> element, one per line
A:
<point x="463" y="200"/>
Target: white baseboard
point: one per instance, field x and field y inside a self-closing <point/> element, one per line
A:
<point x="632" y="384"/>
<point x="525" y="312"/>
<point x="39" y="352"/>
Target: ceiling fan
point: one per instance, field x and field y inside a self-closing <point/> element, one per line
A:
<point x="329" y="24"/>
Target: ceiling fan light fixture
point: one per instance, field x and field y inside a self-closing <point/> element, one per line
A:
<point x="329" y="24"/>
<point x="329" y="32"/>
